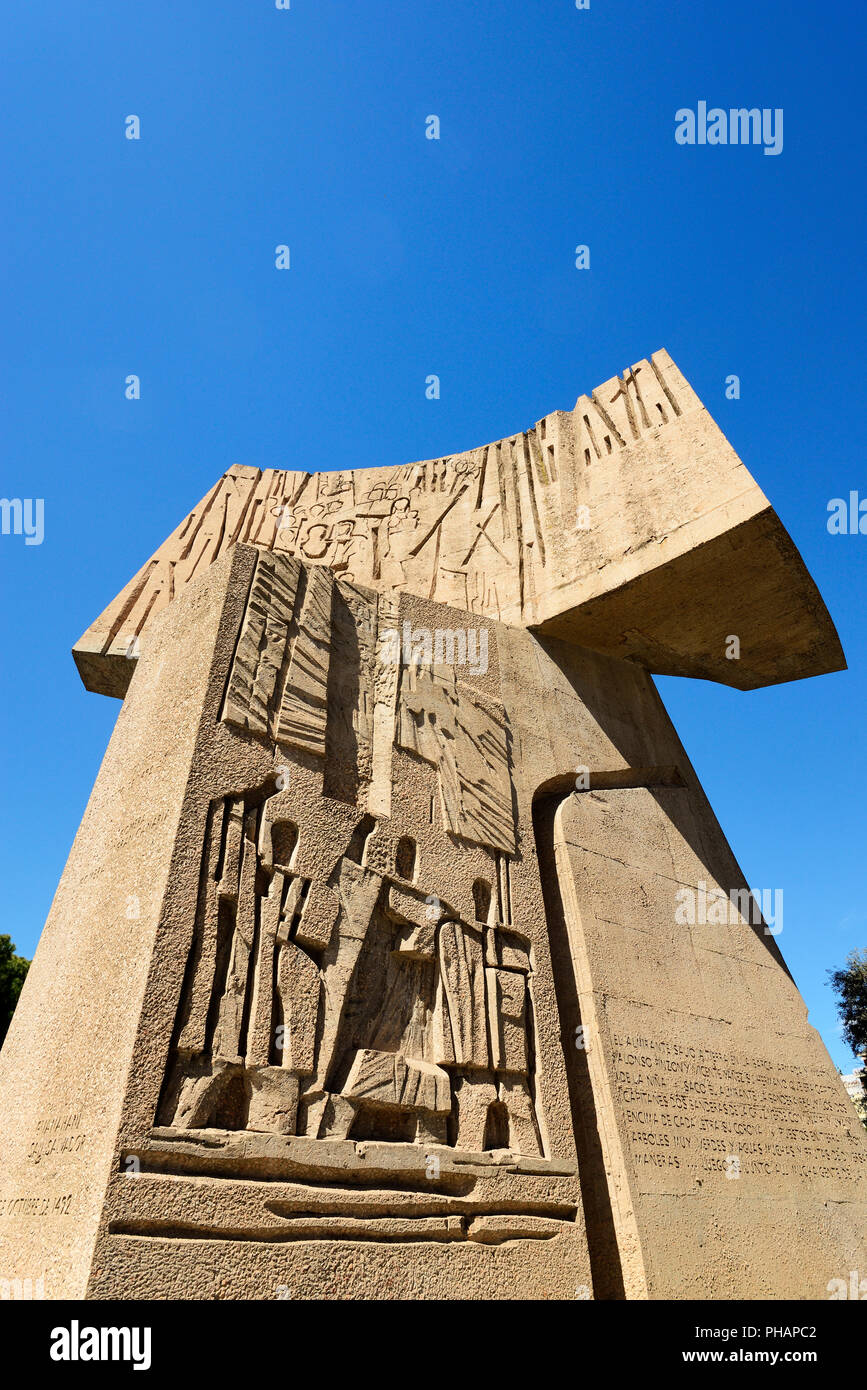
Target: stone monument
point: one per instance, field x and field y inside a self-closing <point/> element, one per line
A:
<point x="399" y="953"/>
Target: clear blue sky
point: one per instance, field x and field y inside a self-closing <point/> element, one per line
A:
<point x="411" y="257"/>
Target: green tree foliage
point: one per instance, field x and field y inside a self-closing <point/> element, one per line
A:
<point x="13" y="969"/>
<point x="850" y="987"/>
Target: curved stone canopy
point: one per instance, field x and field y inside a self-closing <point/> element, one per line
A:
<point x="628" y="525"/>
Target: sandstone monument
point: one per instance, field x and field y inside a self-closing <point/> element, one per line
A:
<point x="370" y="974"/>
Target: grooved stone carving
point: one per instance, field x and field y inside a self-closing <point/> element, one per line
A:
<point x="254" y="681"/>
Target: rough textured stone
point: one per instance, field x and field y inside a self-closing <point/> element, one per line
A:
<point x="628" y="525"/>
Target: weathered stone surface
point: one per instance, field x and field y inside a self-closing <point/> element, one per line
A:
<point x="627" y="525"/>
<point x="349" y="987"/>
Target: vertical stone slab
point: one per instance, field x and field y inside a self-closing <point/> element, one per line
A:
<point x="736" y="1163"/>
<point x="64" y="1066"/>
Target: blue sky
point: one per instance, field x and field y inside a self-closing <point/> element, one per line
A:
<point x="410" y="257"/>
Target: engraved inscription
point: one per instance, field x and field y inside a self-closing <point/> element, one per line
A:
<point x="694" y="1108"/>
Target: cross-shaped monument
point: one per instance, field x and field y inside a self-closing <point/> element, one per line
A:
<point x="399" y="953"/>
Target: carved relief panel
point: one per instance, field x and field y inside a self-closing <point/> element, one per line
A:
<point x="371" y="983"/>
<point x="357" y="1005"/>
